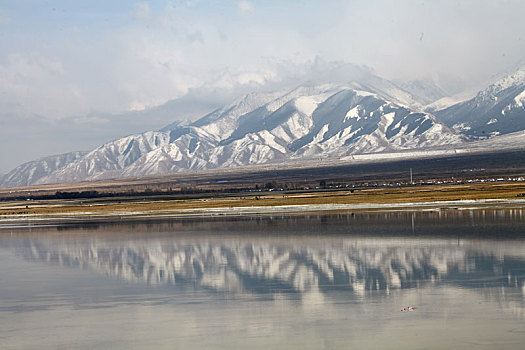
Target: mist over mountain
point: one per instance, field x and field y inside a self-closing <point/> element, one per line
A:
<point x="424" y="90"/>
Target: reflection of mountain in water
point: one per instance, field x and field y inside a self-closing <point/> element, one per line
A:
<point x="277" y="265"/>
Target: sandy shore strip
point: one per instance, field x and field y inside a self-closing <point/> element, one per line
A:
<point x="7" y="221"/>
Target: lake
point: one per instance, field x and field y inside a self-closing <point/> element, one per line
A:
<point x="327" y="281"/>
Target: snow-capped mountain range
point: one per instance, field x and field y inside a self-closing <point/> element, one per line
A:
<point x="304" y="123"/>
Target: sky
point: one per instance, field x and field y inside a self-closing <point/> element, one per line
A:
<point x="76" y="74"/>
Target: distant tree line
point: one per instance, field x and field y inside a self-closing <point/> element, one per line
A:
<point x="129" y="193"/>
<point x="184" y="191"/>
<point x="74" y="195"/>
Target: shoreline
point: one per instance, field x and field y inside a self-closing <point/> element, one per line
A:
<point x="16" y="220"/>
<point x="413" y="198"/>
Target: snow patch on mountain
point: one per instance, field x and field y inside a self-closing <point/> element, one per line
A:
<point x="517" y="104"/>
<point x="354" y="113"/>
<point x="307" y="104"/>
<point x="519" y="99"/>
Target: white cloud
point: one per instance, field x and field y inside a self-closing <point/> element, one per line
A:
<point x="413" y="39"/>
<point x="4" y="19"/>
<point x="183" y="47"/>
<point x="245" y="7"/>
<point x="142" y="11"/>
<point x="34" y="84"/>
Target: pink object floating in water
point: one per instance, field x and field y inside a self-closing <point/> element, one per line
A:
<point x="409" y="308"/>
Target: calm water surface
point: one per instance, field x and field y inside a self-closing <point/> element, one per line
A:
<point x="296" y="282"/>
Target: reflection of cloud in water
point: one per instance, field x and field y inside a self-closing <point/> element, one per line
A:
<point x="290" y="265"/>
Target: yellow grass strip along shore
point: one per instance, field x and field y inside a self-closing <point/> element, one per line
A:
<point x="415" y="194"/>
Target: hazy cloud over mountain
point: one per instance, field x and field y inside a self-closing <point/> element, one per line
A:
<point x="64" y="60"/>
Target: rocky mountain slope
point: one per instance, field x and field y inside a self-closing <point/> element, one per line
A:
<point x="307" y="122"/>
